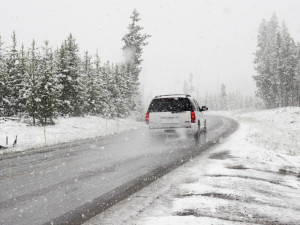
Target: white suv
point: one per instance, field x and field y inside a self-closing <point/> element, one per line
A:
<point x="176" y="111"/>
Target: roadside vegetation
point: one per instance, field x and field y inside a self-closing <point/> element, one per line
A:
<point x="42" y="83"/>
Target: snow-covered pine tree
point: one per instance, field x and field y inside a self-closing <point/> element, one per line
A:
<point x="107" y="76"/>
<point x="124" y="86"/>
<point x="280" y="73"/>
<point x="91" y="86"/>
<point x="272" y="34"/>
<point x="191" y="84"/>
<point x="3" y="80"/>
<point x="71" y="98"/>
<point x="134" y="41"/>
<point x="32" y="96"/>
<point x="120" y="90"/>
<point x="48" y="87"/>
<point x="109" y="81"/>
<point x="260" y="62"/>
<point x="223" y="98"/>
<point x="64" y="107"/>
<point x="297" y="77"/>
<point x="266" y="62"/>
<point x="185" y="87"/>
<point x="288" y="60"/>
<point x="115" y="91"/>
<point x="102" y="92"/>
<point x="293" y="79"/>
<point x="23" y="73"/>
<point x="276" y="65"/>
<point x="13" y="80"/>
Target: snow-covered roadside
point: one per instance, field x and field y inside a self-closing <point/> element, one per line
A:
<point x="244" y="180"/>
<point x="65" y="130"/>
<point x="274" y="129"/>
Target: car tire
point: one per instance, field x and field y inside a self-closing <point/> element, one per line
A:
<point x="198" y="131"/>
<point x="204" y="129"/>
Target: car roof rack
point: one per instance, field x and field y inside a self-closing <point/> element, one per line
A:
<point x="185" y="95"/>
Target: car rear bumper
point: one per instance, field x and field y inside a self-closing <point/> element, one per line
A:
<point x="189" y="128"/>
<point x="170" y="125"/>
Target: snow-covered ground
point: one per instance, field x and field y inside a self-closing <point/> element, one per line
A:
<point x="65" y="130"/>
<point x="253" y="177"/>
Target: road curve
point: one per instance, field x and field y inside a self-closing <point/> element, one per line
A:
<point x="69" y="184"/>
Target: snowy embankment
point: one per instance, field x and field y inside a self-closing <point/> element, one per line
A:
<point x="65" y="130"/>
<point x="252" y="177"/>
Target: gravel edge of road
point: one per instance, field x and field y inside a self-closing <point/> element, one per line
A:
<point x="88" y="210"/>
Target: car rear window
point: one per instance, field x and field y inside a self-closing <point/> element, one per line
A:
<point x="170" y="105"/>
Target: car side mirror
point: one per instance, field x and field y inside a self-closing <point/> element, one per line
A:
<point x="203" y="108"/>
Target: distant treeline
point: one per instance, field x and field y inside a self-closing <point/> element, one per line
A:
<point x="43" y="83"/>
<point x="277" y="62"/>
<point x="222" y="99"/>
<point x="234" y="100"/>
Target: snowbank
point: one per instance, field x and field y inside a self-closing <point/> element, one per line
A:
<point x="253" y="177"/>
<point x="65" y="130"/>
<point x="276" y="129"/>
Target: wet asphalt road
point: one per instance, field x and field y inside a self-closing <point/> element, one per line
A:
<point x="72" y="183"/>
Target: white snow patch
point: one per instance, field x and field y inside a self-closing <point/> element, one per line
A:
<point x="65" y="130"/>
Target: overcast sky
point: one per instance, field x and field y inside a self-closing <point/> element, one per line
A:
<point x="213" y="40"/>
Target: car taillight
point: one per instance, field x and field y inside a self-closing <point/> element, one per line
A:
<point x="147" y="118"/>
<point x="193" y="117"/>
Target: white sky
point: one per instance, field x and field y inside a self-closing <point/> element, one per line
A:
<point x="214" y="40"/>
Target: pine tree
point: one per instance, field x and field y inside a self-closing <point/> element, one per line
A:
<point x="32" y="96"/>
<point x="185" y="87"/>
<point x="115" y="91"/>
<point x="13" y="81"/>
<point x="289" y="60"/>
<point x="91" y="85"/>
<point x="260" y="61"/>
<point x="102" y="92"/>
<point x="120" y="89"/>
<point x="124" y="87"/>
<point x="23" y="75"/>
<point x="3" y="80"/>
<point x="297" y="78"/>
<point x="272" y="32"/>
<point x="276" y="63"/>
<point x="71" y="98"/>
<point x="266" y="61"/>
<point x="223" y="99"/>
<point x="48" y="90"/>
<point x="188" y="86"/>
<point x="61" y="71"/>
<point x="109" y="82"/>
<point x="134" y="42"/>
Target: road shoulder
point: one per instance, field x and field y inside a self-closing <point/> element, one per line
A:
<point x="239" y="181"/>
